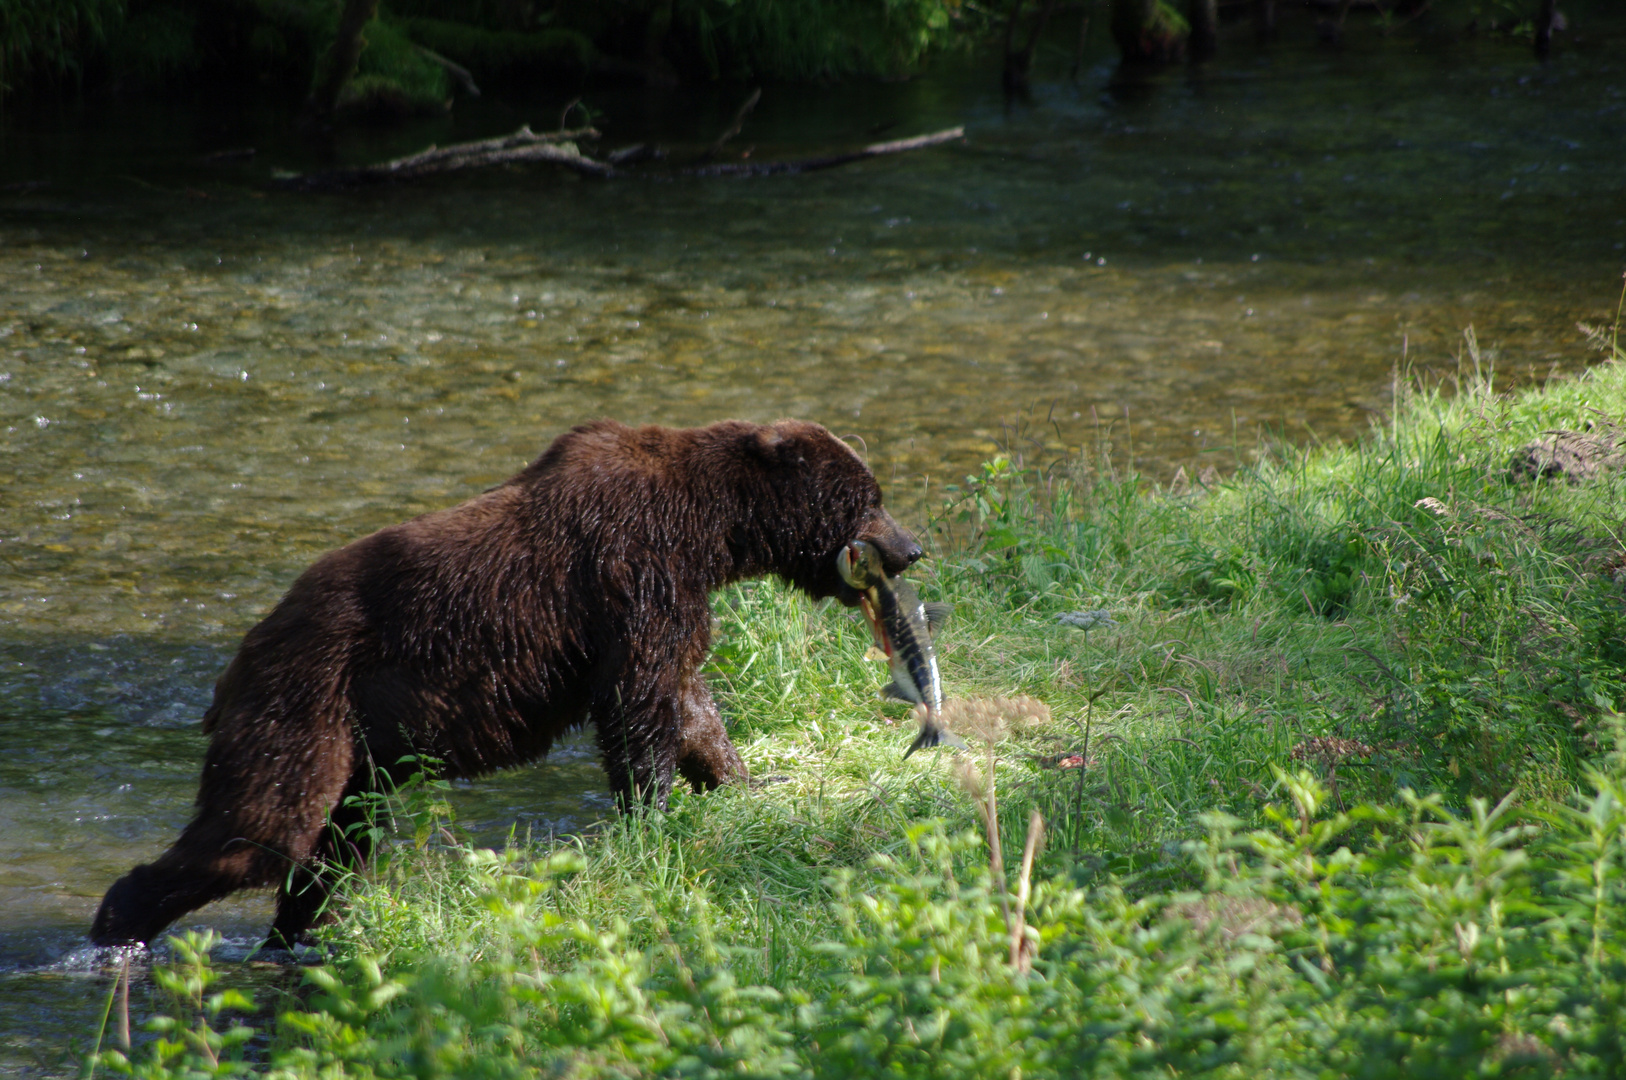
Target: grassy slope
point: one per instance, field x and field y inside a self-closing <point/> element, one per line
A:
<point x="1474" y="645"/>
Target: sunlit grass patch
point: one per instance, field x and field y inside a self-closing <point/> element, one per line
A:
<point x="1323" y="755"/>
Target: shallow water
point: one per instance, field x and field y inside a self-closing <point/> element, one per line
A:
<point x="205" y="382"/>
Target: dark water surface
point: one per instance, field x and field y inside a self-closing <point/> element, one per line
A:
<point x="206" y="382"/>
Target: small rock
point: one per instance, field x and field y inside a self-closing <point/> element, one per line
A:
<point x="1087" y="620"/>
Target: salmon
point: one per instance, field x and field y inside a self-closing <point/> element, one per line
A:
<point x="903" y="627"/>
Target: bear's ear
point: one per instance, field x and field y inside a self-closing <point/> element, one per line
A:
<point x="765" y="444"/>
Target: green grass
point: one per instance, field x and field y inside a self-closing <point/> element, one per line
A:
<point x="1439" y="897"/>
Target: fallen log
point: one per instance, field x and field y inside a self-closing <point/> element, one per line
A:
<point x="524" y="145"/>
<point x="559" y="148"/>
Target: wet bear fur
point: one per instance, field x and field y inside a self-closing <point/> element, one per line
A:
<point x="576" y="591"/>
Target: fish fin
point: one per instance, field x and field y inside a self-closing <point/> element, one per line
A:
<point x="931" y="735"/>
<point x="937" y="615"/>
<point x="893" y="691"/>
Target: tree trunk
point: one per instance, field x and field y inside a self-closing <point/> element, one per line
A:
<point x="1019" y="64"/>
<point x="661" y="73"/>
<point x="1264" y="19"/>
<point x="1083" y="39"/>
<point x="339" y="62"/>
<point x="1545" y="17"/>
<point x="1009" y="77"/>
<point x="1330" y="31"/>
<point x="1143" y="36"/>
<point x="1204" y="18"/>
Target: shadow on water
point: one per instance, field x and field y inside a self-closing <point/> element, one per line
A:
<point x="206" y="382"/>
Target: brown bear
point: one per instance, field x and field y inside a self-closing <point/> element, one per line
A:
<point x="576" y="591"/>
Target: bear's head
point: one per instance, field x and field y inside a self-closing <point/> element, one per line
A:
<point x="811" y="494"/>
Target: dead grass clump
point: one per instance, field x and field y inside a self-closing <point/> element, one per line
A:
<point x="1235" y="916"/>
<point x="992" y="719"/>
<point x="1329" y="751"/>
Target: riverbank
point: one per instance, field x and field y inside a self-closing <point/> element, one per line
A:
<point x="1254" y="677"/>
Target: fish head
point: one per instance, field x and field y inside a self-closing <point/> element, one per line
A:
<point x="882" y="549"/>
<point x="859" y="564"/>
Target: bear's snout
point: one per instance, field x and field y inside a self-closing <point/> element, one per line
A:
<point x="898" y="547"/>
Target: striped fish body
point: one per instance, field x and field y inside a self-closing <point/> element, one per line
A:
<point x="908" y="643"/>
<point x="902" y="626"/>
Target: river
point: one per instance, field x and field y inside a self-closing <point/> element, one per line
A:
<point x="206" y="382"/>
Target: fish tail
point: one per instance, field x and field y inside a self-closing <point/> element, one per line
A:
<point x="932" y="735"/>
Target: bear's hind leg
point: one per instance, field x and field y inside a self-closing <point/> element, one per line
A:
<point x="306" y="889"/>
<point x="302" y="902"/>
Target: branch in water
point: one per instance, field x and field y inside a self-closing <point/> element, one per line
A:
<point x="524" y="145"/>
<point x="734" y="127"/>
<point x="774" y="168"/>
<point x="457" y="71"/>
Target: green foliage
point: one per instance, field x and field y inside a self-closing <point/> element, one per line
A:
<point x="1507" y="16"/>
<point x="502" y="54"/>
<point x="736" y="39"/>
<point x="160" y="41"/>
<point x="1395" y="940"/>
<point x="194" y="1039"/>
<point x="280" y="41"/>
<point x="1343" y="797"/>
<point x="157" y="41"/>
<point x="51" y="36"/>
<point x="1479" y="617"/>
<point x="808" y="39"/>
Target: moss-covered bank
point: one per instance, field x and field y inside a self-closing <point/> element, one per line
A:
<point x="515" y="43"/>
<point x="1329" y="777"/>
